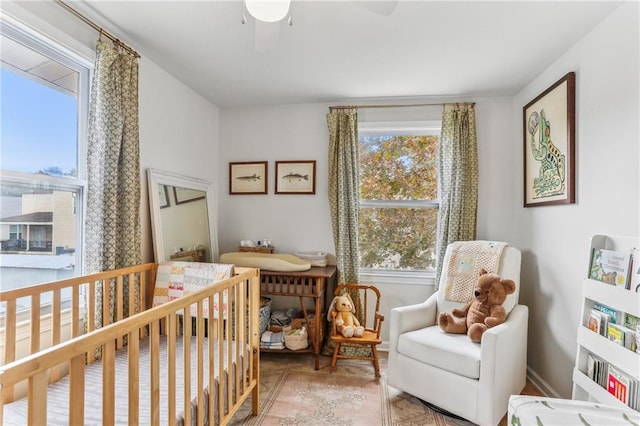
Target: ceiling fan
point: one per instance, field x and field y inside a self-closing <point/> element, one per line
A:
<point x="267" y="15"/>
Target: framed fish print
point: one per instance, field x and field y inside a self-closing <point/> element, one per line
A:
<point x="296" y="177"/>
<point x="248" y="178"/>
<point x="549" y="145"/>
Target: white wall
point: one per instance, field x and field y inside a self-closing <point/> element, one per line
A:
<point x="555" y="239"/>
<point x="178" y="134"/>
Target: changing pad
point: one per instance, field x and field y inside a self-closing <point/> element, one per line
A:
<point x="278" y="262"/>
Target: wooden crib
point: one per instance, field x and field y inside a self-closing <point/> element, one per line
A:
<point x="137" y="364"/>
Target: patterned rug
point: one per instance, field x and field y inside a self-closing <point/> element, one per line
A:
<point x="293" y="393"/>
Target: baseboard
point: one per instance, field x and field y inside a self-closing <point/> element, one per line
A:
<point x="543" y="386"/>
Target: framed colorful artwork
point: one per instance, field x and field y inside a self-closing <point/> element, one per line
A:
<point x="549" y="145"/>
<point x="248" y="178"/>
<point x="296" y="177"/>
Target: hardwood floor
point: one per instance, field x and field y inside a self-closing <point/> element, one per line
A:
<point x="529" y="389"/>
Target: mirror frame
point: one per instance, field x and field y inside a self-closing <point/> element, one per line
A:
<point x="157" y="177"/>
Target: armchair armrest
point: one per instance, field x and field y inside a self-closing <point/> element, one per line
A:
<point x="503" y="355"/>
<point x="412" y="317"/>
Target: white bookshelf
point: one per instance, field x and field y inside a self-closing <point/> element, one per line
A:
<point x="623" y="301"/>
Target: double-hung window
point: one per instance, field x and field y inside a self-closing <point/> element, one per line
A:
<point x="44" y="114"/>
<point x="398" y="197"/>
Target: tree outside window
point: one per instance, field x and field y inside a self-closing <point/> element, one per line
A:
<point x="399" y="198"/>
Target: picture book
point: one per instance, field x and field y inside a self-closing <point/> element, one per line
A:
<point x="635" y="271"/>
<point x="594" y="321"/>
<point x="611" y="267"/>
<point x="632" y="322"/>
<point x="613" y="314"/>
<point x="618" y="385"/>
<point x="605" y="319"/>
<point x="617" y="333"/>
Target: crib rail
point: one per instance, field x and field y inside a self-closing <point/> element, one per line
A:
<point x="64" y="319"/>
<point x="237" y="335"/>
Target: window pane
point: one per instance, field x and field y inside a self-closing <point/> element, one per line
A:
<point x="44" y="96"/>
<point x="398" y="168"/>
<point x="39" y="114"/>
<point x="397" y="238"/>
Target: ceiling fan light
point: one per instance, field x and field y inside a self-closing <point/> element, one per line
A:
<point x="268" y="10"/>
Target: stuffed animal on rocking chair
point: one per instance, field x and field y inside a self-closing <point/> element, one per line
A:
<point x="342" y="311"/>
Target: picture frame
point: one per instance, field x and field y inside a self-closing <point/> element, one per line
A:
<point x="296" y="177"/>
<point x="549" y="145"/>
<point x="187" y="195"/>
<point x="248" y="178"/>
<point x="163" y="196"/>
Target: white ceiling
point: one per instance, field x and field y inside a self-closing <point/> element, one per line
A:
<point x="340" y="50"/>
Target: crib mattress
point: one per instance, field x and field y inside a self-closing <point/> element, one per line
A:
<point x="535" y="410"/>
<point x="15" y="413"/>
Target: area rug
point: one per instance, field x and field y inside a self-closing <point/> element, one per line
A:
<point x="304" y="398"/>
<point x="292" y="393"/>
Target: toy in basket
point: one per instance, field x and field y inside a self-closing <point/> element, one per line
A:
<point x="295" y="338"/>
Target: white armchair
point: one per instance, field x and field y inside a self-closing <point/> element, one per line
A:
<point x="471" y="380"/>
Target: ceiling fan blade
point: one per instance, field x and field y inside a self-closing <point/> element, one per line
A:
<point x="384" y="8"/>
<point x="266" y="35"/>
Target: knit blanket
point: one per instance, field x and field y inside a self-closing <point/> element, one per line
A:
<point x="467" y="258"/>
<point x="174" y="279"/>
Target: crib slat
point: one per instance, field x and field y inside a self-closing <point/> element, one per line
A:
<point x="134" y="377"/>
<point x="106" y="306"/>
<point x="37" y="394"/>
<point x="229" y="345"/>
<point x="186" y="372"/>
<point x="108" y="383"/>
<point x="76" y="390"/>
<point x="91" y="319"/>
<point x="9" y="344"/>
<point x="35" y="323"/>
<point x="119" y="305"/>
<point x="220" y="339"/>
<point x="171" y="365"/>
<point x="211" y="326"/>
<point x="200" y="355"/>
<point x="154" y="355"/>
<point x="75" y="311"/>
<point x="55" y="332"/>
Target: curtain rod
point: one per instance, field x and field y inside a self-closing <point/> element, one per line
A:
<point x="97" y="27"/>
<point x="397" y="106"/>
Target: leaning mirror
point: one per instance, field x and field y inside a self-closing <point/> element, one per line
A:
<point x="182" y="218"/>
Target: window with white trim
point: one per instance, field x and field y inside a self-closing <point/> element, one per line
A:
<point x="399" y="196"/>
<point x="45" y="93"/>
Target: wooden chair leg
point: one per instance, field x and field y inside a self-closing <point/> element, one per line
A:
<point x="334" y="360"/>
<point x="376" y="362"/>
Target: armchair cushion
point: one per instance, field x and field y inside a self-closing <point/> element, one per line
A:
<point x="451" y="352"/>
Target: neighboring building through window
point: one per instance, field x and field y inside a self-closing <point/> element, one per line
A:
<point x="399" y="196"/>
<point x="44" y="115"/>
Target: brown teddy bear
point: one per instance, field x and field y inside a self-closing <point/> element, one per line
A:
<point x="483" y="312"/>
<point x="342" y="311"/>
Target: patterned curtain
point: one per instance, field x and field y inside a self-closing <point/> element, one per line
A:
<point x="458" y="178"/>
<point x="344" y="202"/>
<point x="113" y="167"/>
<point x="344" y="190"/>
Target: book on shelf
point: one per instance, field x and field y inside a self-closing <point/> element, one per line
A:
<point x="635" y="271"/>
<point x="594" y="321"/>
<point x="605" y="319"/>
<point x="632" y="322"/>
<point x="623" y="387"/>
<point x="619" y="334"/>
<point x="613" y="314"/>
<point x="610" y="266"/>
